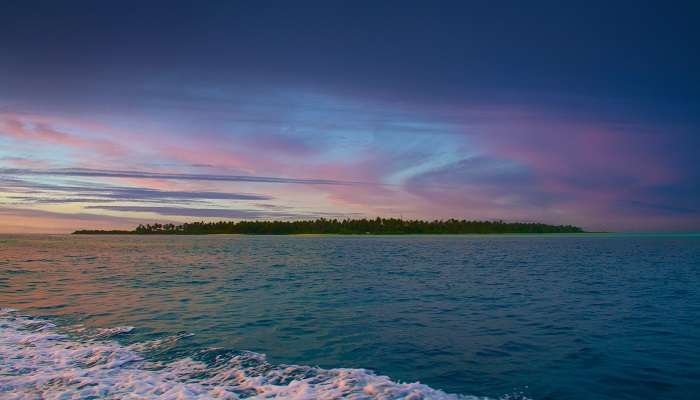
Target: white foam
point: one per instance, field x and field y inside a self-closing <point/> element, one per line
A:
<point x="37" y="362"/>
<point x="154" y="344"/>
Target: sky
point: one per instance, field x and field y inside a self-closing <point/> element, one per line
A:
<point x="119" y="113"/>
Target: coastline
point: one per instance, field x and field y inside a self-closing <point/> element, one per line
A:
<point x="364" y="226"/>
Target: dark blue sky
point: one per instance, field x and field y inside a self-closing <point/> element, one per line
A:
<point x="645" y="49"/>
<point x="581" y="112"/>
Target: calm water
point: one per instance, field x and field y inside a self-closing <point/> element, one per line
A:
<point x="546" y="317"/>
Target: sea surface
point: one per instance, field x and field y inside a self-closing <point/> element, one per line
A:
<point x="361" y="317"/>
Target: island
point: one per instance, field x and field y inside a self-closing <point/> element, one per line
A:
<point x="377" y="226"/>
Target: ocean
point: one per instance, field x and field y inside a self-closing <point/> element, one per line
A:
<point x="363" y="317"/>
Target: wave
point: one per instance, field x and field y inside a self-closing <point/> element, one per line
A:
<point x="37" y="361"/>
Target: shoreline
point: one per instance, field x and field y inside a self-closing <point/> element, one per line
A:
<point x="364" y="226"/>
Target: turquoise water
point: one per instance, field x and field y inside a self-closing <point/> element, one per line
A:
<point x="544" y="317"/>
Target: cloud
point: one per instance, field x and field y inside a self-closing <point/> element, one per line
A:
<point x="41" y="132"/>
<point x="55" y="200"/>
<point x="480" y="170"/>
<point x="124" y="193"/>
<point x="103" y="173"/>
<point x="213" y="212"/>
<point x="42" y="193"/>
<point x="480" y="183"/>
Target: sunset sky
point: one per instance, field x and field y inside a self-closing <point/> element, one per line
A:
<point x="117" y="113"/>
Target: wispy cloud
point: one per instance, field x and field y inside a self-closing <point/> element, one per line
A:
<point x="55" y="200"/>
<point x="104" y="173"/>
<point x="41" y="132"/>
<point x="214" y="212"/>
<point x="42" y="193"/>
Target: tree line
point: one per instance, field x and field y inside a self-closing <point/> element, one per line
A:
<point x="377" y="226"/>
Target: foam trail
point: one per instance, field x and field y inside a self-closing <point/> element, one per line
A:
<point x="38" y="362"/>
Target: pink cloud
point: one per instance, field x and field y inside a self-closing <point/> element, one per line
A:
<point x="42" y="132"/>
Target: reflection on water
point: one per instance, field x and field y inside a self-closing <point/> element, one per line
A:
<point x="550" y="316"/>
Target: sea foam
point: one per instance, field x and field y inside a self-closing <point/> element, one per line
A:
<point x="37" y="361"/>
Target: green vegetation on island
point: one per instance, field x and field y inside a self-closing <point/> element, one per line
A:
<point x="377" y="226"/>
